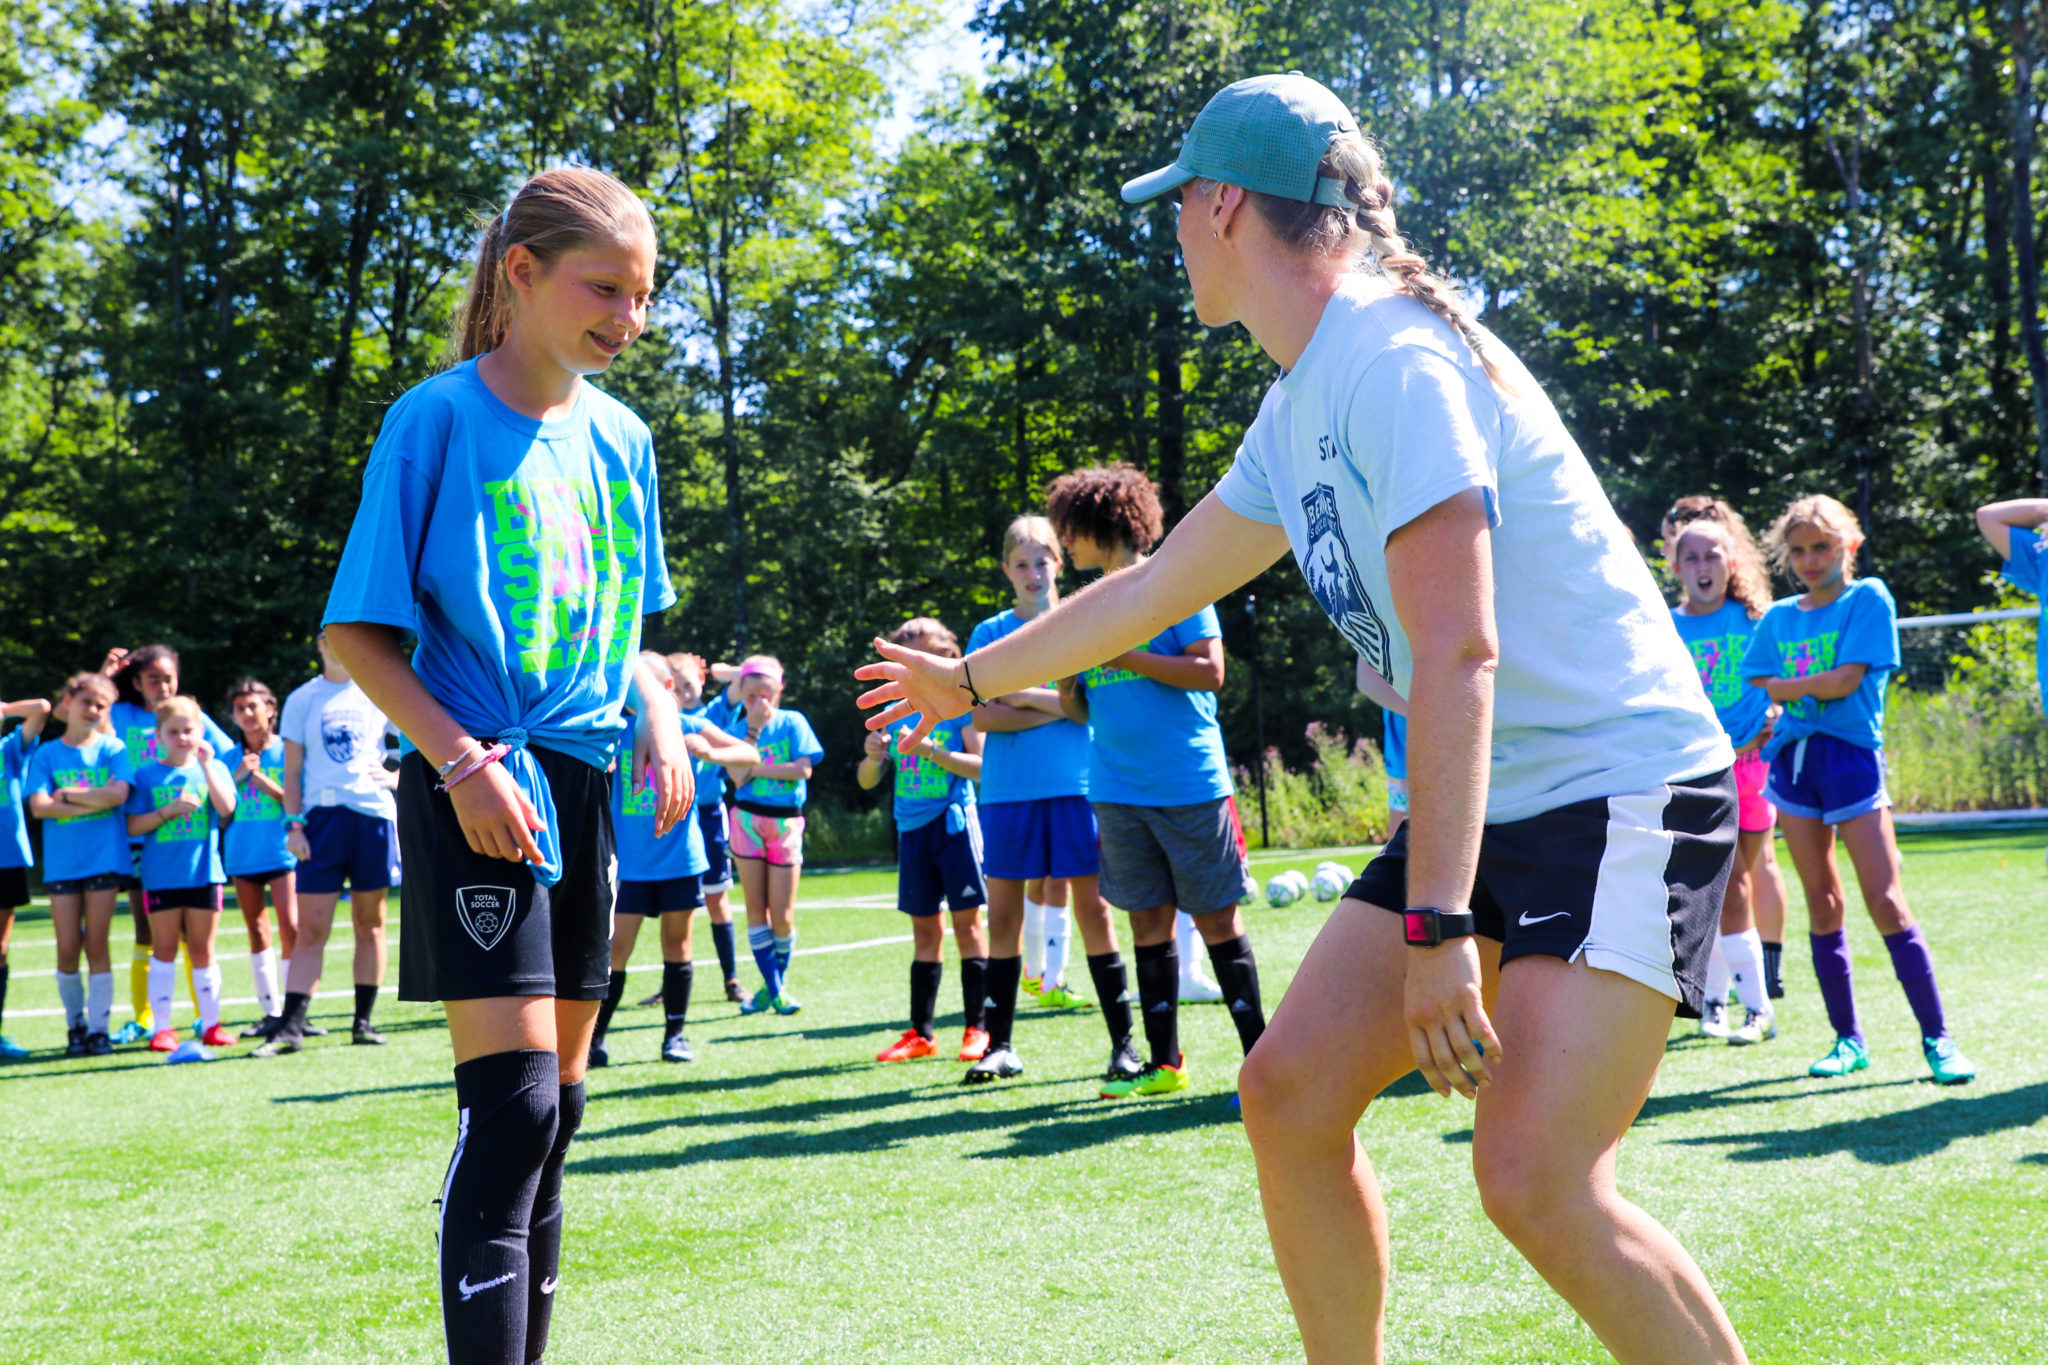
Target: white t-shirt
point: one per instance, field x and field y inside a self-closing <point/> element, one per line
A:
<point x="343" y="733"/>
<point x="1387" y="414"/>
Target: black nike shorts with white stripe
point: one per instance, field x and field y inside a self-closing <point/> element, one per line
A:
<point x="474" y="927"/>
<point x="1632" y="884"/>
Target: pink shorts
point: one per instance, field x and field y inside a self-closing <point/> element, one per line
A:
<point x="778" y="841"/>
<point x="1754" y="814"/>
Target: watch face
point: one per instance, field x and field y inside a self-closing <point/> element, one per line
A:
<point x="1421" y="927"/>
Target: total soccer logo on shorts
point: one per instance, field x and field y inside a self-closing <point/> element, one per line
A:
<point x="486" y="912"/>
<point x="1333" y="577"/>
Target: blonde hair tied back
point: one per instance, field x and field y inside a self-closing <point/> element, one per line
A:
<point x="1825" y="514"/>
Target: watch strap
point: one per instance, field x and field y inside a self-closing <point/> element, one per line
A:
<point x="1425" y="927"/>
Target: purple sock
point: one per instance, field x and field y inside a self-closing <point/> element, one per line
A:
<point x="1831" y="968"/>
<point x="1916" y="974"/>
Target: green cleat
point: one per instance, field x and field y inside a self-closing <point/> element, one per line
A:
<point x="130" y="1032"/>
<point x="1847" y="1055"/>
<point x="758" y="1004"/>
<point x="11" y="1051"/>
<point x="1030" y="985"/>
<point x="1946" y="1061"/>
<point x="1156" y="1079"/>
<point x="785" y="1004"/>
<point x="1060" y="998"/>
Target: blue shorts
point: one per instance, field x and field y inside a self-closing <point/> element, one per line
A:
<point x="659" y="898"/>
<point x="717" y="848"/>
<point x="934" y="865"/>
<point x="1053" y="836"/>
<point x="348" y="847"/>
<point x="1827" y="779"/>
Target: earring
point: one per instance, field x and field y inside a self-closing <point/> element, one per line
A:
<point x="1217" y="235"/>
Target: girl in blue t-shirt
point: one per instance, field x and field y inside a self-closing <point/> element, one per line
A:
<point x="692" y="677"/>
<point x="768" y="824"/>
<point x="255" y="849"/>
<point x="511" y="521"/>
<point x="1826" y="656"/>
<point x="15" y="856"/>
<point x="2014" y="529"/>
<point x="176" y="807"/>
<point x="938" y="867"/>
<point x="76" y="785"/>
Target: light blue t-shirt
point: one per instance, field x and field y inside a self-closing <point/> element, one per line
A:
<point x="1387" y="414"/>
<point x="1719" y="642"/>
<point x="1028" y="765"/>
<point x="1154" y="744"/>
<point x="135" y="727"/>
<point x="184" y="851"/>
<point x="643" y="857"/>
<point x="82" y="845"/>
<point x="255" y="839"/>
<point x="1859" y="627"/>
<point x="925" y="791"/>
<point x="716" y="713"/>
<point x="788" y="738"/>
<point x="1394" y="747"/>
<point x="2023" y="569"/>
<point x="523" y="553"/>
<point x="15" y="753"/>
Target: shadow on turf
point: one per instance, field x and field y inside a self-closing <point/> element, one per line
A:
<point x="1892" y="1139"/>
<point x="334" y="1096"/>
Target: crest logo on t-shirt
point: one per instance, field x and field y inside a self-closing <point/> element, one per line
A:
<point x="486" y="913"/>
<point x="341" y="735"/>
<point x="1333" y="577"/>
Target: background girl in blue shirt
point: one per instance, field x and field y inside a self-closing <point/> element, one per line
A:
<point x="510" y="519"/>
<point x="768" y="824"/>
<point x="1826" y="656"/>
<point x="76" y="784"/>
<point x="2013" y="529"/>
<point x="692" y="679"/>
<point x="255" y="850"/>
<point x="15" y="751"/>
<point x="176" y="808"/>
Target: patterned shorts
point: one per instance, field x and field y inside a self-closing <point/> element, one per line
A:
<point x="777" y="840"/>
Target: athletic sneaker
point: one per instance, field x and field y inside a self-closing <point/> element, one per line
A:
<point x="996" y="1064"/>
<point x="1946" y="1061"/>
<point x="130" y="1032"/>
<point x="1847" y="1055"/>
<point x="757" y="1004"/>
<point x="11" y="1051"/>
<point x="654" y="999"/>
<point x="600" y="1055"/>
<point x="1060" y="998"/>
<point x="98" y="1045"/>
<point x="910" y="1046"/>
<point x="164" y="1040"/>
<point x="1030" y="985"/>
<point x="217" y="1037"/>
<point x="1124" y="1064"/>
<point x="1758" y="1026"/>
<point x="1714" y="1020"/>
<point x="74" y="1041"/>
<point x="283" y="1041"/>
<point x="307" y="1029"/>
<point x="1159" y="1079"/>
<point x="363" y="1033"/>
<point x="785" y="1004"/>
<point x="1196" y="989"/>
<point x="973" y="1044"/>
<point x="263" y="1029"/>
<point x="676" y="1048"/>
<point x="733" y="991"/>
<point x="191" y="1050"/>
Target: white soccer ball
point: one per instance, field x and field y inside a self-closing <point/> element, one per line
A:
<point x="1330" y="882"/>
<point x="1332" y="865"/>
<point x="1280" y="891"/>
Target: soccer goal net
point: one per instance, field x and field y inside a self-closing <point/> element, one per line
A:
<point x="1964" y="729"/>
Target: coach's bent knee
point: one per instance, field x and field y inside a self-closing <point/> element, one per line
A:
<point x="1527" y="1193"/>
<point x="1285" y="1095"/>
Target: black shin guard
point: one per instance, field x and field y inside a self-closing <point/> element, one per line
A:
<point x="1112" y="984"/>
<point x="925" y="978"/>
<point x="1003" y="975"/>
<point x="509" y="1104"/>
<point x="544" y="1233"/>
<point x="676" y="978"/>
<point x="721" y="939"/>
<point x="1237" y="972"/>
<point x="3" y="990"/>
<point x="1159" y="1000"/>
<point x="1774" y="957"/>
<point x="292" y="1020"/>
<point x="974" y="991"/>
<point x="614" y="992"/>
<point x="366" y="1000"/>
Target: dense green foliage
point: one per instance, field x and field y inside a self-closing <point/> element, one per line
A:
<point x="1749" y="248"/>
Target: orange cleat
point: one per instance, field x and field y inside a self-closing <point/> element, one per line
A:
<point x="164" y="1040"/>
<point x="909" y="1046"/>
<point x="217" y="1037"/>
<point x="973" y="1044"/>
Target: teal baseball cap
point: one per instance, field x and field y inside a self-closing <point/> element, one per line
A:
<point x="1267" y="133"/>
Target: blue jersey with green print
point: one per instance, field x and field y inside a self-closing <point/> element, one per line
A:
<point x="255" y="840"/>
<point x="15" y="752"/>
<point x="642" y="856"/>
<point x="924" y="789"/>
<point x="184" y="850"/>
<point x="787" y="738"/>
<point x="717" y="713"/>
<point x="1154" y="744"/>
<point x="1859" y="627"/>
<point x="82" y="845"/>
<point x="1719" y="642"/>
<point x="2024" y="570"/>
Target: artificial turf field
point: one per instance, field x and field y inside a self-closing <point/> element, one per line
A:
<point x="785" y="1199"/>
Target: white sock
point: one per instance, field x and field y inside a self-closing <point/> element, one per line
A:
<point x="1034" y="938"/>
<point x="1717" y="975"/>
<point x="1188" y="943"/>
<point x="1057" y="923"/>
<point x="264" y="965"/>
<point x="1745" y="955"/>
<point x="99" y="1001"/>
<point x="206" y="984"/>
<point x="163" y="989"/>
<point x="71" y="992"/>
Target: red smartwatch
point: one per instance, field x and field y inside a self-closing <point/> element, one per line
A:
<point x="1426" y="928"/>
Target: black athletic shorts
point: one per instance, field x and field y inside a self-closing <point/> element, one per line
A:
<point x="13" y="888"/>
<point x="661" y="898"/>
<point x="1632" y="884"/>
<point x="206" y="897"/>
<point x="475" y="927"/>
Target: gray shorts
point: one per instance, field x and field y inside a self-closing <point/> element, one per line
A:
<point x="1186" y="856"/>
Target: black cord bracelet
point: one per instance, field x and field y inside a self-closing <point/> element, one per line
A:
<point x="968" y="686"/>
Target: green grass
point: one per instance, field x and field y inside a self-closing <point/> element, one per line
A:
<point x="787" y="1200"/>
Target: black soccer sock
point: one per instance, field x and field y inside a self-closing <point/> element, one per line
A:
<point x="544" y="1233"/>
<point x="676" y="978"/>
<point x="366" y="1000"/>
<point x="721" y="939"/>
<point x="293" y="1018"/>
<point x="3" y="990"/>
<point x="1159" y="1000"/>
<point x="1112" y="984"/>
<point x="614" y="992"/>
<point x="1003" y="975"/>
<point x="1774" y="954"/>
<point x="974" y="991"/>
<point x="924" y="995"/>
<point x="1238" y="974"/>
<point x="508" y="1107"/>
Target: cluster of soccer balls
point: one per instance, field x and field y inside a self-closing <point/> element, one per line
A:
<point x="1330" y="881"/>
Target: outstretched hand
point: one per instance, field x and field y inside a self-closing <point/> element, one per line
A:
<point x="913" y="683"/>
